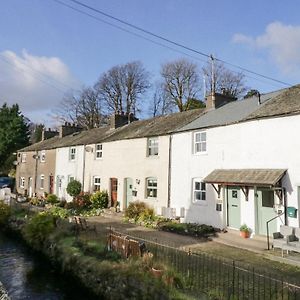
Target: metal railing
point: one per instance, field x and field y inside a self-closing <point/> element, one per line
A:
<point x="267" y="223"/>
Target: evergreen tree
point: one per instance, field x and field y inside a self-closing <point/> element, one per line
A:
<point x="14" y="135"/>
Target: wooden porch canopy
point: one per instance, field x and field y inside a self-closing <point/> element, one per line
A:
<point x="245" y="178"/>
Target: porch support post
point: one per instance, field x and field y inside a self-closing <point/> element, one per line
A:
<point x="245" y="190"/>
<point x="217" y="189"/>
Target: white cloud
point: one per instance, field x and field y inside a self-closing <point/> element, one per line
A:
<point x="282" y="43"/>
<point x="36" y="83"/>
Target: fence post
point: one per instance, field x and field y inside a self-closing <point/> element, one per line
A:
<point x="233" y="276"/>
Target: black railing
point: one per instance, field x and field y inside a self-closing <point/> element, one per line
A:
<point x="267" y="223"/>
<point x="219" y="278"/>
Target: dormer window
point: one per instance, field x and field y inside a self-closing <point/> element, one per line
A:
<point x="98" y="151"/>
<point x="72" y="153"/>
<point x="152" y="146"/>
<point x="43" y="156"/>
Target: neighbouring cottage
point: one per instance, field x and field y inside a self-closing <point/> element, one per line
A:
<point x="239" y="163"/>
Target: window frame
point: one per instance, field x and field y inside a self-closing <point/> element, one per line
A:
<point x="98" y="151"/>
<point x="71" y="178"/>
<point x="42" y="181"/>
<point x="150" y="147"/>
<point x="201" y="143"/>
<point x="72" y="153"/>
<point x="96" y="184"/>
<point x="152" y="188"/>
<point x="23" y="157"/>
<point x="202" y="190"/>
<point x="43" y="156"/>
<point x="22" y="182"/>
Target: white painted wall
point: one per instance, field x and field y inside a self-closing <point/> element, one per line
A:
<point x="65" y="168"/>
<point x="268" y="143"/>
<point x="128" y="158"/>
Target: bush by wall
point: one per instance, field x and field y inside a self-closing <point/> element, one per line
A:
<point x="52" y="199"/>
<point x="99" y="199"/>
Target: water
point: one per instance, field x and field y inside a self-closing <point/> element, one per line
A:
<point x="26" y="276"/>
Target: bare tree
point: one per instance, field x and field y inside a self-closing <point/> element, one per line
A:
<point x="180" y="82"/>
<point x="160" y="104"/>
<point x="222" y="80"/>
<point x="82" y="107"/>
<point x="122" y="86"/>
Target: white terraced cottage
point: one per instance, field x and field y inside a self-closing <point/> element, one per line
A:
<point x="240" y="163"/>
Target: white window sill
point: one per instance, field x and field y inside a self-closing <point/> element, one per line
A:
<point x="200" y="153"/>
<point x="200" y="203"/>
<point x="153" y="156"/>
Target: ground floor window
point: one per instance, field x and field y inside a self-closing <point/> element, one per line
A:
<point x="22" y="182"/>
<point x="97" y="183"/>
<point x="42" y="181"/>
<point x="199" y="190"/>
<point x="151" y="187"/>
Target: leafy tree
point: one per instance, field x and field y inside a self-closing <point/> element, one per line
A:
<point x="251" y="93"/>
<point x="74" y="188"/>
<point x="14" y="135"/>
<point x="36" y="133"/>
<point x="180" y="83"/>
<point x="122" y="86"/>
<point x="222" y="80"/>
<point x="195" y="103"/>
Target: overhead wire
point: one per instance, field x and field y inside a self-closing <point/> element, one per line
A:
<point x="171" y="41"/>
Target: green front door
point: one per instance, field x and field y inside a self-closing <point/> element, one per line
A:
<point x="129" y="184"/>
<point x="234" y="207"/>
<point x="265" y="211"/>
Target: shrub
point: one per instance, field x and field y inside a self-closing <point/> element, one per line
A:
<point x="135" y="210"/>
<point x="4" y="213"/>
<point x="193" y="229"/>
<point x="81" y="201"/>
<point x="99" y="199"/>
<point x="52" y="199"/>
<point x="74" y="188"/>
<point x="147" y="215"/>
<point x="58" y="212"/>
<point x="38" y="229"/>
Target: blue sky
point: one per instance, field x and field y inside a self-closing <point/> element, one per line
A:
<point x="46" y="48"/>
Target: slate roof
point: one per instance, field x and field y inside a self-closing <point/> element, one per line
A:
<point x="145" y="128"/>
<point x="250" y="177"/>
<point x="230" y="113"/>
<point x="285" y="103"/>
<point x="162" y="125"/>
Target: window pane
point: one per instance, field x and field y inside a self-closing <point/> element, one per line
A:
<point x="197" y="186"/>
<point x="197" y="137"/>
<point x="197" y="196"/>
<point x="203" y="136"/>
<point x="204" y="147"/>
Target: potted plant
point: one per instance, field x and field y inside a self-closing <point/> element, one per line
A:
<point x="245" y="231"/>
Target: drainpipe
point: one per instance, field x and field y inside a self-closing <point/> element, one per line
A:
<point x="169" y="170"/>
<point x="83" y="168"/>
<point x="35" y="170"/>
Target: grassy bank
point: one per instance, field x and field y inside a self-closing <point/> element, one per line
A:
<point x="85" y="256"/>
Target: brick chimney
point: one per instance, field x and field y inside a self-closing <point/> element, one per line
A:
<point x="68" y="129"/>
<point x="120" y="119"/>
<point x="47" y="134"/>
<point x="216" y="100"/>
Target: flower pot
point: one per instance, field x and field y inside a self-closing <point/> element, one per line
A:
<point x="245" y="234"/>
<point x="157" y="272"/>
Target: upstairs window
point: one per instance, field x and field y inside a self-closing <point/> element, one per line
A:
<point x="42" y="181"/>
<point x="199" y="190"/>
<point x="71" y="178"/>
<point x="97" y="183"/>
<point x="23" y="157"/>
<point x="152" y="146"/>
<point x="151" y="187"/>
<point x="72" y="153"/>
<point x="43" y="156"/>
<point x="200" y="142"/>
<point x="98" y="151"/>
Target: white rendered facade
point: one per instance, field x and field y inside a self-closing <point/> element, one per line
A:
<point x="260" y="144"/>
